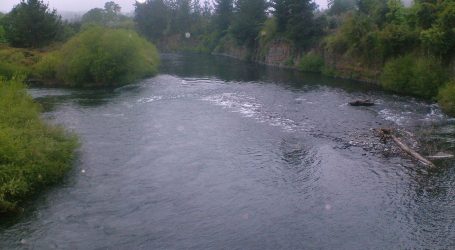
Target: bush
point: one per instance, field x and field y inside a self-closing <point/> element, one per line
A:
<point x="32" y="153"/>
<point x="101" y="57"/>
<point x="416" y="76"/>
<point x="2" y="35"/>
<point x="446" y="98"/>
<point x="311" y="63"/>
<point x="16" y="61"/>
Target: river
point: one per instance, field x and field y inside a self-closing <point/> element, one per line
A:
<point x="214" y="153"/>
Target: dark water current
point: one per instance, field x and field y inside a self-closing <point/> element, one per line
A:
<point x="214" y="153"/>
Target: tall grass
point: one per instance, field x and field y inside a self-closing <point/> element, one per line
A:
<point x="33" y="154"/>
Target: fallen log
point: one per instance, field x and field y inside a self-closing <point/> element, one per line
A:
<point x="440" y="156"/>
<point x="406" y="149"/>
<point x="366" y="103"/>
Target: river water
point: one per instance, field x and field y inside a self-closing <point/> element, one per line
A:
<point x="215" y="153"/>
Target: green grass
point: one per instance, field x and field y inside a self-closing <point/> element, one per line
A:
<point x="446" y="98"/>
<point x="16" y="61"/>
<point x="33" y="154"/>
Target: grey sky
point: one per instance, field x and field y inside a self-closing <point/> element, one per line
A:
<point x="84" y="5"/>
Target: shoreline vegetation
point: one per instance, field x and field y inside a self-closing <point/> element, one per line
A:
<point x="406" y="48"/>
<point x="36" y="46"/>
<point x="33" y="154"/>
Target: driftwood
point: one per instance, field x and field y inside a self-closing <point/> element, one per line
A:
<point x="387" y="133"/>
<point x="366" y="103"/>
<point x="440" y="156"/>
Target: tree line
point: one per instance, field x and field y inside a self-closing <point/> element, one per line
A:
<point x="243" y="20"/>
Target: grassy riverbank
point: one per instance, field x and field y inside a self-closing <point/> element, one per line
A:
<point x="33" y="154"/>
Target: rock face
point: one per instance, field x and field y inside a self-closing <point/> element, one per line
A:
<point x="347" y="67"/>
<point x="230" y="49"/>
<point x="275" y="53"/>
<point x="278" y="53"/>
<point x="282" y="53"/>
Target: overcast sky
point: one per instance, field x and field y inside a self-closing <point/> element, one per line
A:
<point x="84" y="5"/>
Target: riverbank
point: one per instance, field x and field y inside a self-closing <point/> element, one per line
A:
<point x="33" y="154"/>
<point x="95" y="57"/>
<point x="410" y="75"/>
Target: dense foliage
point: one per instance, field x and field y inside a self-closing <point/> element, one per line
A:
<point x="240" y="19"/>
<point x="31" y="24"/>
<point x="417" y="76"/>
<point x="248" y="21"/>
<point x="446" y="98"/>
<point x="110" y="16"/>
<point x="16" y="61"/>
<point x="32" y="153"/>
<point x="311" y="62"/>
<point x="101" y="57"/>
<point x="413" y="46"/>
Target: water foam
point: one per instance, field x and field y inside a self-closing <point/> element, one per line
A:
<point x="249" y="107"/>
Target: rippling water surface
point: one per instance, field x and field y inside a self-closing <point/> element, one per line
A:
<point x="218" y="154"/>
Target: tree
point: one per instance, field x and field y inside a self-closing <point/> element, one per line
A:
<point x="281" y="13"/>
<point x="109" y="16"/>
<point x="248" y="20"/>
<point x="112" y="13"/>
<point x="223" y="14"/>
<point x="95" y="15"/>
<point x="152" y="18"/>
<point x="112" y="7"/>
<point x="31" y="24"/>
<point x="337" y="7"/>
<point x="301" y="26"/>
<point x="207" y="9"/>
<point x="181" y="21"/>
<point x="2" y="30"/>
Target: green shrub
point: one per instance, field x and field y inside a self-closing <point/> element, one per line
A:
<point x="268" y="31"/>
<point x="32" y="153"/>
<point x="14" y="61"/>
<point x="446" y="98"/>
<point x="311" y="62"/>
<point x="2" y="34"/>
<point x="415" y="76"/>
<point x="101" y="57"/>
<point x="8" y="70"/>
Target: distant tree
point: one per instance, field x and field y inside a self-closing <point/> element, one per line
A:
<point x="152" y="18"/>
<point x="112" y="13"/>
<point x="181" y="21"/>
<point x="248" y="20"/>
<point x="109" y="16"/>
<point x="337" y="7"/>
<point x="281" y="13"/>
<point x="223" y="14"/>
<point x="207" y="9"/>
<point x="2" y="30"/>
<point x="374" y="9"/>
<point x="112" y="7"/>
<point x="301" y="26"/>
<point x="95" y="15"/>
<point x="31" y="24"/>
